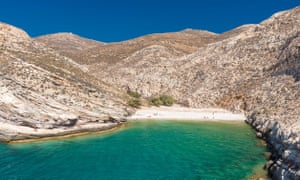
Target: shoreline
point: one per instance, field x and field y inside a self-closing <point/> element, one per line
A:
<point x="27" y="134"/>
<point x="67" y="136"/>
<point x="22" y="134"/>
<point x="269" y="131"/>
<point x="186" y="114"/>
<point x="283" y="145"/>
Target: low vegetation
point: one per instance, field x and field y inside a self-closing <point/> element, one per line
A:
<point x="135" y="100"/>
<point x="163" y="100"/>
<point x="134" y="94"/>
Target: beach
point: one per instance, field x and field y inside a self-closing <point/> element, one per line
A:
<point x="184" y="113"/>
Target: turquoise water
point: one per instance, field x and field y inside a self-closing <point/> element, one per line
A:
<point x="141" y="150"/>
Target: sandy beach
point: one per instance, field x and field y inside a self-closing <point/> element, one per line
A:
<point x="183" y="113"/>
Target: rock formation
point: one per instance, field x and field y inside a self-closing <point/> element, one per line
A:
<point x="252" y="69"/>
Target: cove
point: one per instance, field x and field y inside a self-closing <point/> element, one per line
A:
<point x="141" y="150"/>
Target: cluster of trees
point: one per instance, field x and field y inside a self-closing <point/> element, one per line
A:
<point x="162" y="100"/>
<point x="135" y="100"/>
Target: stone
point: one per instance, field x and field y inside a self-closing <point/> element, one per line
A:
<point x="267" y="155"/>
<point x="269" y="164"/>
<point x="286" y="153"/>
<point x="259" y="135"/>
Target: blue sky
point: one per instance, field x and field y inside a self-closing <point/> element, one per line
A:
<point x="116" y="20"/>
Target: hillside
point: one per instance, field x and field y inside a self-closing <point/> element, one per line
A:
<point x="44" y="91"/>
<point x="180" y="43"/>
<point x="252" y="69"/>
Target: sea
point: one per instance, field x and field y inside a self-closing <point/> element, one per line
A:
<point x="142" y="150"/>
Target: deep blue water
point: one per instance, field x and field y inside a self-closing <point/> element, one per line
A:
<point x="141" y="150"/>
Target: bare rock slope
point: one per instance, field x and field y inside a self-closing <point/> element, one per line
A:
<point x="45" y="94"/>
<point x="253" y="68"/>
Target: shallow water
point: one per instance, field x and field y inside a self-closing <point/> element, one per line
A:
<point x="142" y="150"/>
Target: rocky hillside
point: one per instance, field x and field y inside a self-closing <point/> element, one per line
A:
<point x="69" y="44"/>
<point x="102" y="56"/>
<point x="43" y="91"/>
<point x="253" y="68"/>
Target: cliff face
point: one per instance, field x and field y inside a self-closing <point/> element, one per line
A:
<point x="44" y="91"/>
<point x="253" y="68"/>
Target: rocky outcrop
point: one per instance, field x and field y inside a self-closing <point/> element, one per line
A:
<point x="289" y="58"/>
<point x="284" y="145"/>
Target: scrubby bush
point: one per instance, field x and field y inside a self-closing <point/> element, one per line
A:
<point x="135" y="102"/>
<point x="162" y="100"/>
<point x="167" y="100"/>
<point x="134" y="94"/>
<point x="155" y="102"/>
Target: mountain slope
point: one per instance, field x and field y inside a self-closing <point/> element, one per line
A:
<point x="47" y="94"/>
<point x="183" y="42"/>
